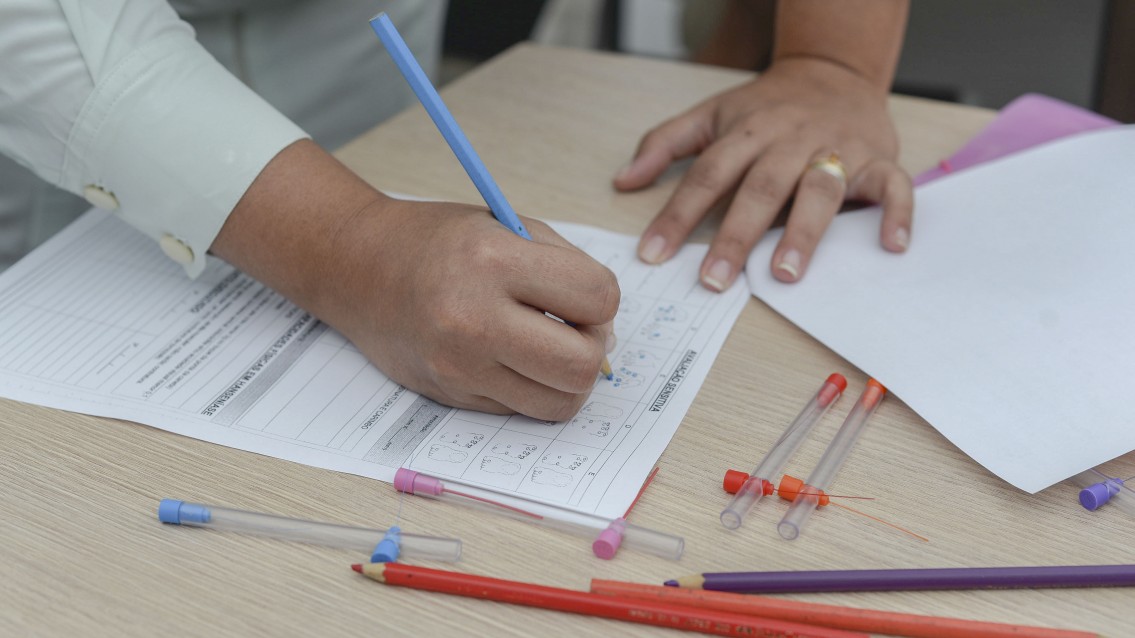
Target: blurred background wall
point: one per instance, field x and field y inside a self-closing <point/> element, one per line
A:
<point x="979" y="52"/>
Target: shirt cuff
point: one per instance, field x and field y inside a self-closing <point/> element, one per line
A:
<point x="170" y="140"/>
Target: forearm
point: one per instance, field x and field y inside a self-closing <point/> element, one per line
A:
<point x="864" y="36"/>
<point x="438" y="296"/>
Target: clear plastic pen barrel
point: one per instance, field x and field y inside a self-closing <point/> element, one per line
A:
<point x="359" y="539"/>
<point x="773" y="464"/>
<point x="821" y="478"/>
<point x="635" y="538"/>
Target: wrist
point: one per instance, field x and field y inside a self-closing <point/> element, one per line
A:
<point x="863" y="36"/>
<point x="289" y="228"/>
<point x="828" y="74"/>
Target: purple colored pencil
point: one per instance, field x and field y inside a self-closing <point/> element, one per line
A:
<point x="911" y="579"/>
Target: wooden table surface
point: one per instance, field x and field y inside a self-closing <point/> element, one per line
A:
<point x="81" y="550"/>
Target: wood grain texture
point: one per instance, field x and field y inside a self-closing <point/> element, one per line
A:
<point x="81" y="551"/>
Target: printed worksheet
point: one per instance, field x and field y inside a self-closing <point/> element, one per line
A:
<point x="99" y="321"/>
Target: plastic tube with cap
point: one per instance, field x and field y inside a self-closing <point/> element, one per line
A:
<point x="759" y="482"/>
<point x="633" y="537"/>
<point x="381" y="545"/>
<point x="808" y="497"/>
<point x="1099" y="488"/>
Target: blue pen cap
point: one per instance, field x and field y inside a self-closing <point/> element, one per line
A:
<point x="1093" y="496"/>
<point x="389" y="547"/>
<point x="177" y="512"/>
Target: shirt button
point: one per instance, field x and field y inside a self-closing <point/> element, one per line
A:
<point x="99" y="197"/>
<point x="176" y="249"/>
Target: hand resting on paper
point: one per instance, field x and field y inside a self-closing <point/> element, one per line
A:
<point x="810" y="132"/>
<point x="757" y="141"/>
<point x="441" y="297"/>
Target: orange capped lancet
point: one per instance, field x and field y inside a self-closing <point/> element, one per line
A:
<point x="759" y="482"/>
<point x="808" y="496"/>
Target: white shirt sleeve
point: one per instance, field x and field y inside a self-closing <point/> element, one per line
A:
<point x="116" y="101"/>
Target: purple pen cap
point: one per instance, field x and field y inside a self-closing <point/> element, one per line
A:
<point x="410" y="482"/>
<point x="1093" y="496"/>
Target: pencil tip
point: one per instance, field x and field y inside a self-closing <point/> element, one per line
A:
<point x="357" y="567"/>
<point x="605" y="370"/>
<point x="670" y="583"/>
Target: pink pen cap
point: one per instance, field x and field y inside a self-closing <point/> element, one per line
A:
<point x="411" y="482"/>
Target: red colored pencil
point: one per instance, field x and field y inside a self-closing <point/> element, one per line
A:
<point x="661" y="614"/>
<point x="874" y="621"/>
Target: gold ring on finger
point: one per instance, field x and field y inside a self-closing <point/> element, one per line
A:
<point x="832" y="166"/>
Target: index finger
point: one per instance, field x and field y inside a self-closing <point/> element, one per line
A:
<point x="563" y="280"/>
<point x="674" y="139"/>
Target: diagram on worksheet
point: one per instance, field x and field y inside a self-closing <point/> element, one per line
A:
<point x="98" y="321"/>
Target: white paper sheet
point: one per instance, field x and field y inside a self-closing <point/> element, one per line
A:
<point x="1009" y="325"/>
<point x="99" y="321"/>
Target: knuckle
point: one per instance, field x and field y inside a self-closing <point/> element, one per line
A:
<point x="654" y="137"/>
<point x="898" y="182"/>
<point x="609" y="296"/>
<point x="764" y="189"/>
<point x="459" y="337"/>
<point x="707" y="176"/>
<point x="827" y="187"/>
<point x="444" y="372"/>
<point x="673" y="223"/>
<point x="579" y="371"/>
<point x="490" y="256"/>
<point x="805" y="235"/>
<point x="455" y="320"/>
<point x="730" y="247"/>
<point x="563" y="407"/>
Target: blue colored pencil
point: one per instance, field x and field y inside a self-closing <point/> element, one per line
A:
<point x="445" y="123"/>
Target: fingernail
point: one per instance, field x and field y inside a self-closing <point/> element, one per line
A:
<point x="901" y="238"/>
<point x="790" y="264"/>
<point x="612" y="341"/>
<point x="651" y="252"/>
<point x="718" y="275"/>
